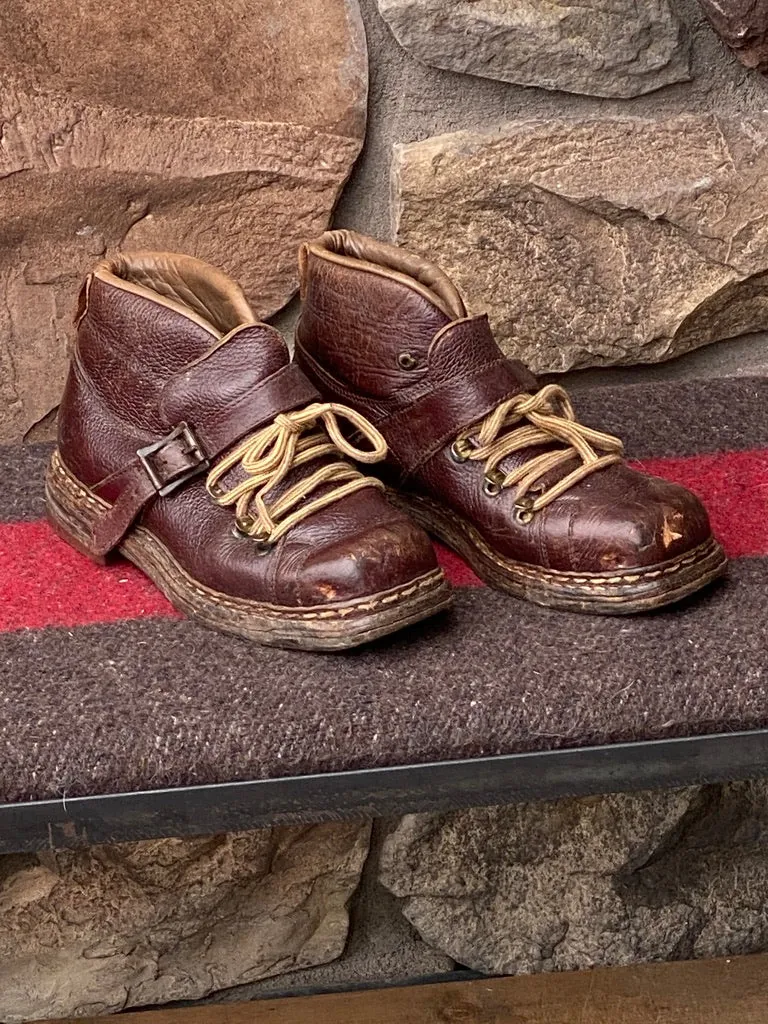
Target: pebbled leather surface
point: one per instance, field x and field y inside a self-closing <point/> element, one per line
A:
<point x="138" y="369"/>
<point x="353" y="325"/>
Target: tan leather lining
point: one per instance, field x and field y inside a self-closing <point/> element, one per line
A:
<point x="351" y="249"/>
<point x="189" y="286"/>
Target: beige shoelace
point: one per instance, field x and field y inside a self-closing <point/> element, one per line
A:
<point x="272" y="452"/>
<point x="550" y="418"/>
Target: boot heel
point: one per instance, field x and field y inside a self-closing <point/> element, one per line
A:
<point x="72" y="509"/>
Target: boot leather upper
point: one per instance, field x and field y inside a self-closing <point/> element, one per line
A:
<point x="164" y="340"/>
<point x="388" y="333"/>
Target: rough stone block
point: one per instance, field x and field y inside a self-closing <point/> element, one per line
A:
<point x="743" y="26"/>
<point x="580" y="883"/>
<point x="600" y="241"/>
<point x="111" y="927"/>
<point x="597" y="47"/>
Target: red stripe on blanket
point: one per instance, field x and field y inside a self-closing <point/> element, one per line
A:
<point x="44" y="582"/>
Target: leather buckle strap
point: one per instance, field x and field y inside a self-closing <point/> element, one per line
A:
<point x="224" y="407"/>
<point x="466" y="378"/>
<point x="164" y="477"/>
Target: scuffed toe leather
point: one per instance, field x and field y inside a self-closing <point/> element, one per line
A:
<point x="627" y="520"/>
<point x="380" y="558"/>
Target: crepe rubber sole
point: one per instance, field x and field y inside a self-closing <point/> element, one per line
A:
<point x="73" y="511"/>
<point x="623" y="592"/>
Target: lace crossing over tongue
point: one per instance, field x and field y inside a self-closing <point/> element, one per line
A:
<point x="270" y="498"/>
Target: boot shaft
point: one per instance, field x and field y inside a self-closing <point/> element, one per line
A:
<point x="142" y="319"/>
<point x="371" y="311"/>
<point x="388" y="333"/>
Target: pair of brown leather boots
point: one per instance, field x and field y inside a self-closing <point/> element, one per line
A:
<point x="190" y="443"/>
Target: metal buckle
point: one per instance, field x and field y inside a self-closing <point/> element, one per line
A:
<point x="192" y="447"/>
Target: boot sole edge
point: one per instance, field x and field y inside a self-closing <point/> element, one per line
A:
<point x="628" y="593"/>
<point x="72" y="510"/>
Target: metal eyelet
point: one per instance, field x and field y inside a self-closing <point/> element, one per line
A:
<point x="216" y="492"/>
<point x="493" y="485"/>
<point x="524" y="511"/>
<point x="407" y="361"/>
<point x="243" y="529"/>
<point x="459" y="453"/>
<point x="245" y="525"/>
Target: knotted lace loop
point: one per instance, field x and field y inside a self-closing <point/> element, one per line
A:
<point x="550" y="418"/>
<point x="267" y="457"/>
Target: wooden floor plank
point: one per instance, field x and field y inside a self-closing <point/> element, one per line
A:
<point x="731" y="991"/>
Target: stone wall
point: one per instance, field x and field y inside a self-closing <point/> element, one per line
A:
<point x="164" y="124"/>
<point x="537" y="887"/>
<point x="102" y="929"/>
<point x="229" y="133"/>
<point x="607" y="201"/>
<point x="575" y="230"/>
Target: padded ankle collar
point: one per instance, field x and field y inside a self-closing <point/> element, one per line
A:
<point x="350" y="248"/>
<point x="191" y="287"/>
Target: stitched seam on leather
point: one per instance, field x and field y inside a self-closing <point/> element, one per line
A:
<point x="597" y="582"/>
<point x="80" y="495"/>
<point x="375" y="412"/>
<point x="135" y="462"/>
<point x="367" y="604"/>
<point x="594" y="581"/>
<point x="553" y="576"/>
<point x="360" y="264"/>
<point x="108" y="277"/>
<point x="127" y="468"/>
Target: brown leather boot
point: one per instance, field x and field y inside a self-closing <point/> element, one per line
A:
<point x="499" y="469"/>
<point x="190" y="443"/>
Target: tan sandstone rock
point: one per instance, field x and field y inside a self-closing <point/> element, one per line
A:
<point x="580" y="883"/>
<point x="601" y="241"/>
<point x="111" y="927"/>
<point x="597" y="47"/>
<point x="223" y="130"/>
